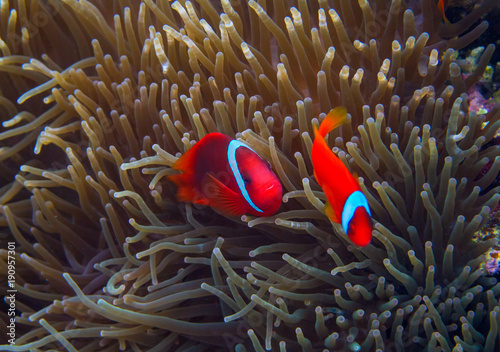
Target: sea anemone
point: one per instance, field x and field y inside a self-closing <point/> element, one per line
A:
<point x="104" y="100"/>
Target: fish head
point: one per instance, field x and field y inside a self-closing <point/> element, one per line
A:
<point x="360" y="227"/>
<point x="260" y="182"/>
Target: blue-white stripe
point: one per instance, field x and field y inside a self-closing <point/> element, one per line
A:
<point x="355" y="200"/>
<point x="231" y="157"/>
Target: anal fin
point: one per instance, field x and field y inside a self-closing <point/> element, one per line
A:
<point x="186" y="192"/>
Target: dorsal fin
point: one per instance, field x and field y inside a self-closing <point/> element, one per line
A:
<point x="186" y="162"/>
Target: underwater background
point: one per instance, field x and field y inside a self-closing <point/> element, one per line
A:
<point x="98" y="99"/>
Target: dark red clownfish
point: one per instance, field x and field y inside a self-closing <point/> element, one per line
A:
<point x="347" y="205"/>
<point x="228" y="176"/>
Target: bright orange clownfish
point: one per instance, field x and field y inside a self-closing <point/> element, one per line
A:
<point x="346" y="204"/>
<point x="228" y="176"/>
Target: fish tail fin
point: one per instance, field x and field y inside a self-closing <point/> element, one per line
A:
<point x="441" y="6"/>
<point x="185" y="181"/>
<point x="334" y="119"/>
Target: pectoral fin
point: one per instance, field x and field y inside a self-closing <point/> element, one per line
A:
<point x="224" y="199"/>
<point x="331" y="213"/>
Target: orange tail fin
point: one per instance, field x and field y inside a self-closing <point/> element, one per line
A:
<point x="185" y="180"/>
<point x="441" y="9"/>
<point x="334" y="119"/>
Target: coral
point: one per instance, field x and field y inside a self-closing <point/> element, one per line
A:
<point x="490" y="232"/>
<point x="104" y="100"/>
<point x="492" y="262"/>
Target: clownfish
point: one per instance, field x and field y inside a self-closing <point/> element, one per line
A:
<point x="228" y="176"/>
<point x="346" y="204"/>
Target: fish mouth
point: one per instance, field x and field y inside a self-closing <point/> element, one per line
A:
<point x="270" y="187"/>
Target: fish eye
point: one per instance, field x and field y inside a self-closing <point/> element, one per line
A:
<point x="246" y="180"/>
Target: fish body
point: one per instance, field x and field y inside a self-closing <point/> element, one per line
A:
<point x="347" y="205"/>
<point x="229" y="176"/>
